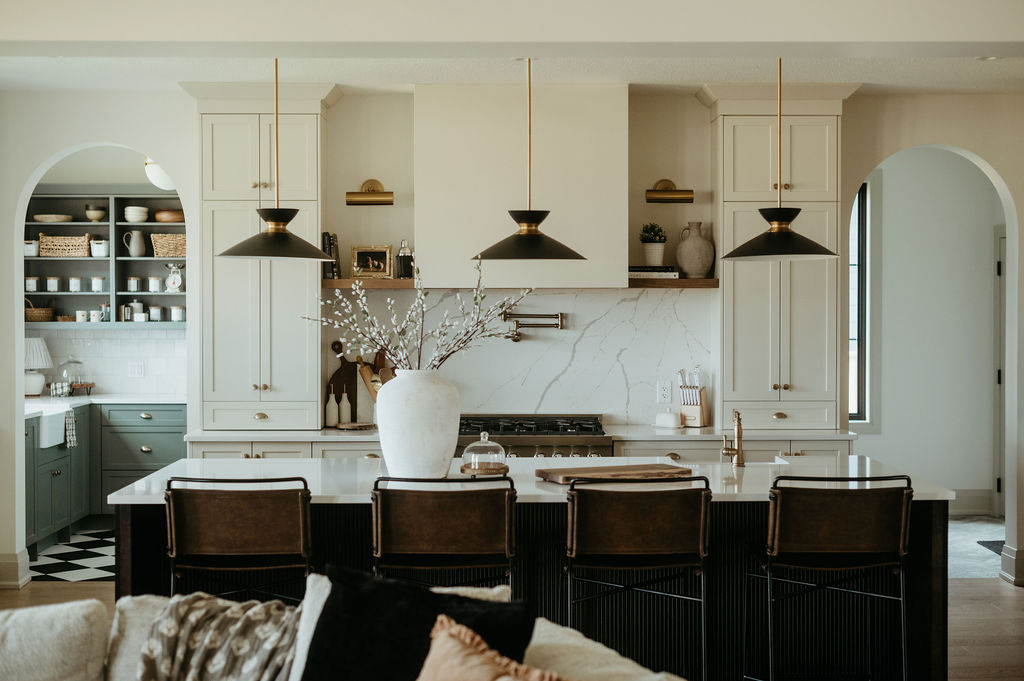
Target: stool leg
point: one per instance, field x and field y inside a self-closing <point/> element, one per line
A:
<point x="903" y="622"/>
<point x="771" y="638"/>
<point x="704" y="629"/>
<point x="568" y="589"/>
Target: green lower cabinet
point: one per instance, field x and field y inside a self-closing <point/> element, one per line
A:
<point x="31" y="440"/>
<point x="80" y="466"/>
<point x="53" y="496"/>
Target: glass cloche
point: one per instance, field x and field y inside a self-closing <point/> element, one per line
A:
<point x="72" y="375"/>
<point x="484" y="457"/>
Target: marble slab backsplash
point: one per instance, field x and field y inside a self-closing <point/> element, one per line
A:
<point x="618" y="343"/>
<point x="109" y="356"/>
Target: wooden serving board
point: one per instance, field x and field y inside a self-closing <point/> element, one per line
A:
<point x="654" y="471"/>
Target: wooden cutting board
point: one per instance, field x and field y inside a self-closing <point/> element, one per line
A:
<point x="654" y="471"/>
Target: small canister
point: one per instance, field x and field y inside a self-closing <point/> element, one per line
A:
<point x="177" y="313"/>
<point x="156" y="284"/>
<point x="140" y="317"/>
<point x="156" y="313"/>
<point x="53" y="283"/>
<point x="97" y="284"/>
<point x="75" y="284"/>
<point x="31" y="249"/>
<point x="31" y="283"/>
<point x="104" y="312"/>
<point x="133" y="284"/>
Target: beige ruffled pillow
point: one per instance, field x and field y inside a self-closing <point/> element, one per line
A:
<point x="457" y="653"/>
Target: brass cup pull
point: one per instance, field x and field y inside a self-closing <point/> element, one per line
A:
<point x="145" y="416"/>
<point x="264" y="387"/>
<point x="259" y="416"/>
<point x="674" y="456"/>
<point x="265" y="185"/>
<point x="257" y="456"/>
<point x="779" y="415"/>
<point x="785" y="386"/>
<point x="146" y="450"/>
<point x="371" y="455"/>
<point x="775" y="386"/>
<point x="246" y="456"/>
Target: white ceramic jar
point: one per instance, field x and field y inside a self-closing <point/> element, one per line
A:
<point x="418" y="422"/>
<point x="53" y="284"/>
<point x="75" y="284"/>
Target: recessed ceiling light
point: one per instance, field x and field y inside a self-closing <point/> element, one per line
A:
<point x="985" y="58"/>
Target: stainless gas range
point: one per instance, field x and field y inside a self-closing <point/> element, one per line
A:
<point x="568" y="435"/>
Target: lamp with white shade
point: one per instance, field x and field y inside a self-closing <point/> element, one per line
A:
<point x="37" y="356"/>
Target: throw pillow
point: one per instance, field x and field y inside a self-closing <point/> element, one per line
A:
<point x="457" y="653"/>
<point x="66" y="641"/>
<point x="377" y="628"/>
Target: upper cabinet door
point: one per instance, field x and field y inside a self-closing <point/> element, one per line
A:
<point x="809" y="158"/>
<point x="289" y="357"/>
<point x="300" y="158"/>
<point x="231" y="157"/>
<point x="808" y="345"/>
<point x="231" y="305"/>
<point x="750" y="310"/>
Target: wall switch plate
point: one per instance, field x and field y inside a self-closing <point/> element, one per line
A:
<point x="663" y="392"/>
<point x="137" y="369"/>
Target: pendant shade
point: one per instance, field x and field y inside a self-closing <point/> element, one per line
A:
<point x="529" y="243"/>
<point x="276" y="242"/>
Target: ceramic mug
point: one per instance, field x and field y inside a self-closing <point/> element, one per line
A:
<point x="81" y="315"/>
<point x="95" y="316"/>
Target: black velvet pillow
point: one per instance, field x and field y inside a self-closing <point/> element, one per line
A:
<point x="379" y="629"/>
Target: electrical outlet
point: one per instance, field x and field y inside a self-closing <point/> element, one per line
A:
<point x="663" y="392"/>
<point x="137" y="369"/>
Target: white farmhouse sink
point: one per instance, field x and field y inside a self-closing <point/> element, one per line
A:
<point x="51" y="429"/>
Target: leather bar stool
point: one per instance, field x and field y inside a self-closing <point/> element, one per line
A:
<point x="434" y="525"/>
<point x="238" y="530"/>
<point x="840" y="530"/>
<point x="615" y="525"/>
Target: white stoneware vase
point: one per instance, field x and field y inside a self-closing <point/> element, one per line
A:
<point x="418" y="422"/>
<point x="695" y="253"/>
<point x="654" y="254"/>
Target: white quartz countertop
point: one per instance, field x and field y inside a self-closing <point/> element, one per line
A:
<point x="348" y="480"/>
<point x="617" y="433"/>
<point x="38" y="406"/>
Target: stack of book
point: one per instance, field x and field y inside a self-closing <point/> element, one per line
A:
<point x="329" y="245"/>
<point x="653" y="272"/>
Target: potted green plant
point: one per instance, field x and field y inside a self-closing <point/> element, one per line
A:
<point x="652" y="236"/>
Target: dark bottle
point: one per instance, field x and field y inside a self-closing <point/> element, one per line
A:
<point x="403" y="261"/>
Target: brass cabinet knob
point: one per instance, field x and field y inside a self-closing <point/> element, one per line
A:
<point x="255" y="185"/>
<point x="257" y="456"/>
<point x="779" y="415"/>
<point x="786" y="185"/>
<point x="775" y="185"/>
<point x="674" y="456"/>
<point x="145" y="416"/>
<point x="264" y="387"/>
<point x="785" y="386"/>
<point x="265" y="185"/>
<point x="371" y="455"/>
<point x="775" y="386"/>
<point x="145" y="450"/>
<point x="246" y="456"/>
<point x="255" y="387"/>
<point x="259" y="416"/>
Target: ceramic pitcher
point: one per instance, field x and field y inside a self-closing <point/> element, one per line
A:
<point x="135" y="244"/>
<point x="695" y="253"/>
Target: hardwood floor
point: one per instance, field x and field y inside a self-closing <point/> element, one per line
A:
<point x="986" y="621"/>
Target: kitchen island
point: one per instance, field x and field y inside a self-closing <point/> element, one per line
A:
<point x="658" y="633"/>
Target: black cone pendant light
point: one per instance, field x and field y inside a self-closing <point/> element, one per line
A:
<point x="276" y="242"/>
<point x="529" y="243"/>
<point x="779" y="242"/>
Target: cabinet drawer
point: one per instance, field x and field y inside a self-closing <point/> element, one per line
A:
<point x="143" y="414"/>
<point x="111" y="481"/>
<point x="785" y="415"/>
<point x="265" y="416"/>
<point x="50" y="454"/>
<point x="704" y="452"/>
<point x="330" y="450"/>
<point x="219" y="450"/>
<point x="281" y="450"/>
<point x="135" y="447"/>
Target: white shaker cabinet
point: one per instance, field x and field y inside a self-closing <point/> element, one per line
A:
<point x="238" y="157"/>
<point x="249" y="450"/>
<point x="809" y="158"/>
<point x="335" y="450"/>
<point x="260" y="358"/>
<point x="780" y="317"/>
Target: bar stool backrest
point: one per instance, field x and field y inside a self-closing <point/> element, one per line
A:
<point x="444" y="521"/>
<point x="839" y="520"/>
<point x="638" y="522"/>
<point x="217" y="522"/>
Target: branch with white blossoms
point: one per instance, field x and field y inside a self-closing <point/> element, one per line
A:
<point x="404" y="342"/>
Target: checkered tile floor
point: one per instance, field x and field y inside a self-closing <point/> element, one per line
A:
<point x="87" y="557"/>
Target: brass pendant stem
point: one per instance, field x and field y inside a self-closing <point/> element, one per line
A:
<point x="778" y="124"/>
<point x="776" y="227"/>
<point x="529" y="134"/>
<point x="277" y="148"/>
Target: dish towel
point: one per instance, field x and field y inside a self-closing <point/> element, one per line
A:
<point x="70" y="437"/>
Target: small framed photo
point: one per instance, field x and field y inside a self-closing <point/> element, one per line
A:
<point x="372" y="262"/>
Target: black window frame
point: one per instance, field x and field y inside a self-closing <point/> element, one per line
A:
<point x="858" y="412"/>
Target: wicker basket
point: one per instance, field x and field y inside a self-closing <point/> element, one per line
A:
<point x="37" y="314"/>
<point x="168" y="245"/>
<point x="64" y="246"/>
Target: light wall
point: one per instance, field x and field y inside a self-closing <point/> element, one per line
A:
<point x="37" y="131"/>
<point x="934" y="222"/>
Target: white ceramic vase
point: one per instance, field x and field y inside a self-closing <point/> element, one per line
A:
<point x="418" y="422"/>
<point x="654" y="254"/>
<point x="695" y="253"/>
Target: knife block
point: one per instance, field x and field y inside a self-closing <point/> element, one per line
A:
<point x="696" y="415"/>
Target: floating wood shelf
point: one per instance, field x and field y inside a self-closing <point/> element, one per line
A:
<point x="673" y="283"/>
<point x="369" y="283"/>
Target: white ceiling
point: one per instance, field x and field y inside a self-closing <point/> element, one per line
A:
<point x="892" y="73"/>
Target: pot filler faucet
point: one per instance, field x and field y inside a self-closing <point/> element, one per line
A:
<point x="515" y="335"/>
